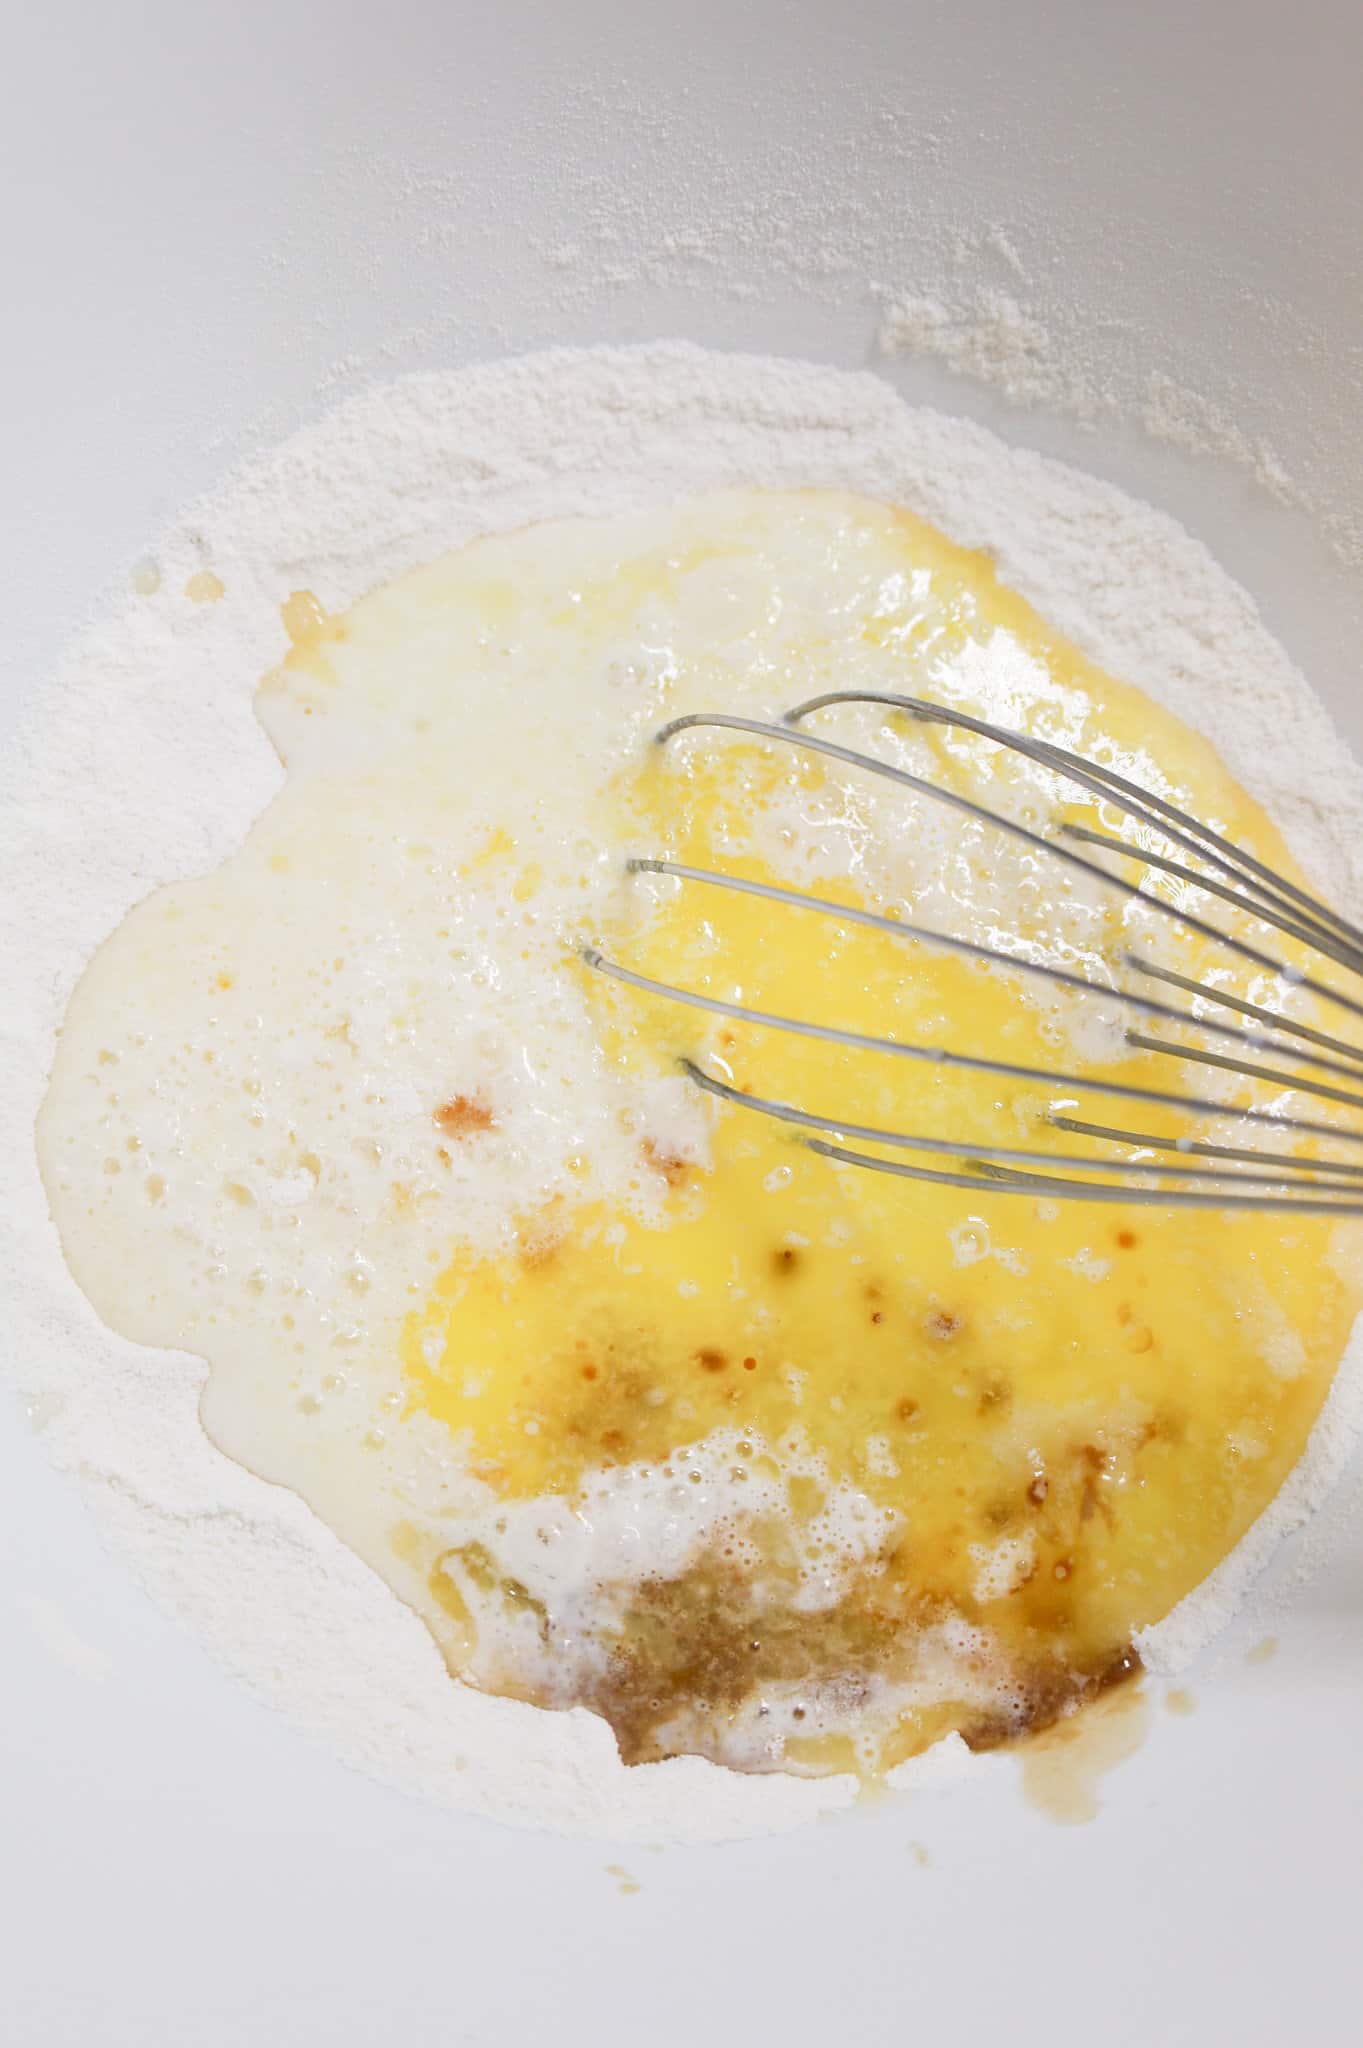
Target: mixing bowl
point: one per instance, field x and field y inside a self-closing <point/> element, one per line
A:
<point x="1126" y="237"/>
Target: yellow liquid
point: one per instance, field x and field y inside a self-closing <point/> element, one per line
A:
<point x="1073" y="1412"/>
<point x="298" y="1115"/>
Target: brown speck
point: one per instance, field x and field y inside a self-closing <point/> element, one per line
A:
<point x="1037" y="1491"/>
<point x="589" y="1372"/>
<point x="785" y="1259"/>
<point x="941" y="1325"/>
<point x="750" y="1365"/>
<point x="877" y="1316"/>
<point x="611" y="1440"/>
<point x="1127" y="1239"/>
<point x="1166" y="1425"/>
<point x="906" y="1410"/>
<point x="1093" y="1497"/>
<point x="462" y="1115"/>
<point x="995" y="1393"/>
<point x="1126" y="1664"/>
<point x="674" y="1169"/>
<point x="710" y="1360"/>
<point x="1062" y="1568"/>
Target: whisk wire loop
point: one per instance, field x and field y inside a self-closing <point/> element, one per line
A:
<point x="1184" y="1171"/>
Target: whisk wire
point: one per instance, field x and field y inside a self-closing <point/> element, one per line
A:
<point x="949" y="1056"/>
<point x="1222" y="999"/>
<point x="1141" y="805"/>
<point x="984" y="1157"/>
<point x="1203" y="1148"/>
<point x="1172" y="1173"/>
<point x="1282" y="918"/>
<point x="1055" y="1187"/>
<point x="1059" y="977"/>
<point x="814" y="743"/>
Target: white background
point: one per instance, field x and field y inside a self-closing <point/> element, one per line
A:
<point x="210" y="221"/>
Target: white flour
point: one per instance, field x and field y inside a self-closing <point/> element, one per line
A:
<point x="145" y="763"/>
<point x="990" y="334"/>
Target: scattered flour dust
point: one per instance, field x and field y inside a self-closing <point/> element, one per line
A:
<point x="144" y="763"/>
<point x="986" y="332"/>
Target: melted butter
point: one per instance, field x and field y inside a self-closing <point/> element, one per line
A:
<point x="1064" y="1766"/>
<point x="838" y="1463"/>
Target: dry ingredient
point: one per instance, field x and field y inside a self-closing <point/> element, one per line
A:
<point x="144" y="762"/>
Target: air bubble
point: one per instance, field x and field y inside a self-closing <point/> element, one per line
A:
<point x="969" y="1242"/>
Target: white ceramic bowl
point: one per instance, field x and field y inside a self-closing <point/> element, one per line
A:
<point x="217" y="221"/>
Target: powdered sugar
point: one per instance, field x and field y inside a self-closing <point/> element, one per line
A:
<point x="145" y="762"/>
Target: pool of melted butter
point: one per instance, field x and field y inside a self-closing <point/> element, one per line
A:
<point x="642" y="1404"/>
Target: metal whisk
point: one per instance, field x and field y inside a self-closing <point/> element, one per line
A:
<point x="1174" y="1171"/>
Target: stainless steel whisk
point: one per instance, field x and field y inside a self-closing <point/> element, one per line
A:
<point x="1171" y="1174"/>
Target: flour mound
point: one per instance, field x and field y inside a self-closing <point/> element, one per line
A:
<point x="144" y="763"/>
